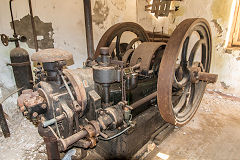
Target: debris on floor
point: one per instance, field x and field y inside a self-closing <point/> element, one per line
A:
<point x="213" y="133"/>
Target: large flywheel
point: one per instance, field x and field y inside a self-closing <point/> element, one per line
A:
<point x="184" y="71"/>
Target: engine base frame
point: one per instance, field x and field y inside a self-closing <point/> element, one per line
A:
<point x="126" y="145"/>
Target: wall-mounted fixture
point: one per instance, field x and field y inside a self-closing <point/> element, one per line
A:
<point x="161" y="8"/>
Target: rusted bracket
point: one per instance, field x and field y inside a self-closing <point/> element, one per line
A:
<point x="161" y="7"/>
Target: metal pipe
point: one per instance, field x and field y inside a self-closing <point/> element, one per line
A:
<point x="106" y="93"/>
<point x="89" y="29"/>
<point x="51" y="140"/>
<point x="33" y="26"/>
<point x="3" y="123"/>
<point x="52" y="148"/>
<point x="53" y="121"/>
<point x="207" y="77"/>
<point x="143" y="100"/>
<point x="14" y="29"/>
<point x="65" y="143"/>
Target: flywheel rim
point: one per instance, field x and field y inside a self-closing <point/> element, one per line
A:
<point x="117" y="29"/>
<point x="168" y="68"/>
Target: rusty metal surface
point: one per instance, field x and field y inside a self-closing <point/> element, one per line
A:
<point x="144" y="53"/>
<point x="52" y="148"/>
<point x="51" y="55"/>
<point x="207" y="77"/>
<point x="65" y="143"/>
<point x="34" y="100"/>
<point x="158" y="36"/>
<point x="117" y="30"/>
<point x="161" y="8"/>
<point x="127" y="54"/>
<point x="168" y="66"/>
<point x="143" y="100"/>
<point x="197" y="74"/>
<point x="29" y="99"/>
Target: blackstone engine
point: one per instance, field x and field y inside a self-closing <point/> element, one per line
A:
<point x="121" y="97"/>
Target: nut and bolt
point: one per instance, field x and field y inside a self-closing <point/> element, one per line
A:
<point x="44" y="106"/>
<point x="101" y="112"/>
<point x="25" y="113"/>
<point x="35" y="114"/>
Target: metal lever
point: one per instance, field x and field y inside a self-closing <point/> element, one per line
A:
<point x="53" y="121"/>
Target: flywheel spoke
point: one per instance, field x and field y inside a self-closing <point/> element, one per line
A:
<point x="183" y="62"/>
<point x="188" y="103"/>
<point x="182" y="101"/>
<point x="198" y="44"/>
<point x="118" y="51"/>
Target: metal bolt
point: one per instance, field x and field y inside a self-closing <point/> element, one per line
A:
<point x="101" y="112"/>
<point x="25" y="113"/>
<point x="58" y="110"/>
<point x="43" y="119"/>
<point x="44" y="106"/>
<point x="35" y="114"/>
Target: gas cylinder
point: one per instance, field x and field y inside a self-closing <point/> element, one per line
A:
<point x="21" y="68"/>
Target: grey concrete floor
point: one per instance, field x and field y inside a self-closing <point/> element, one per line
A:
<point x="213" y="134"/>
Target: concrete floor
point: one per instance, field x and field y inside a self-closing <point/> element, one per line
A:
<point x="213" y="133"/>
